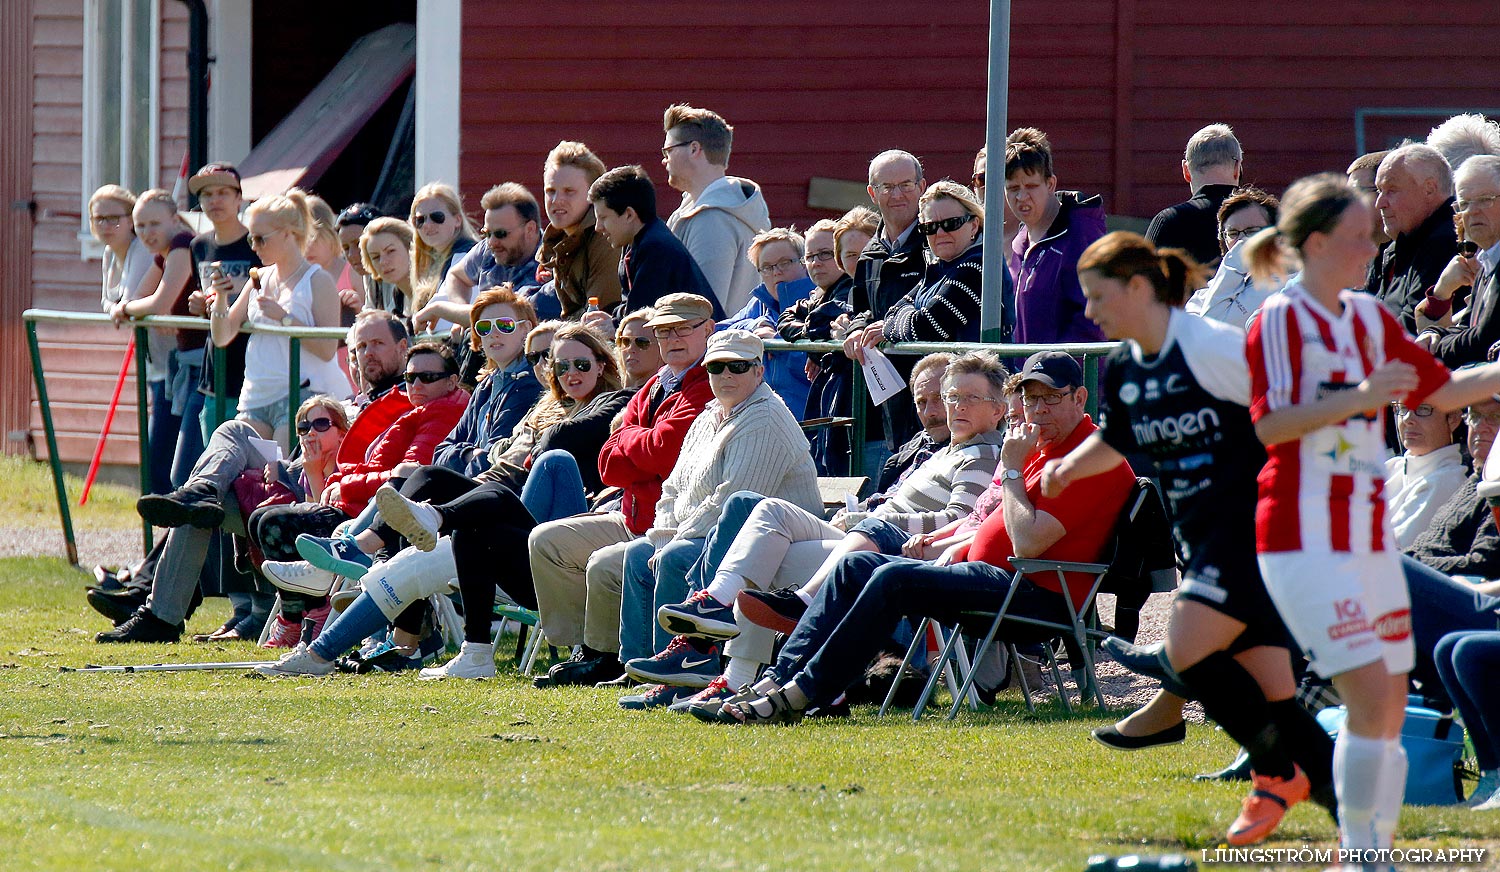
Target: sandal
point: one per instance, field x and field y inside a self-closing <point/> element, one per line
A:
<point x="745" y="713"/>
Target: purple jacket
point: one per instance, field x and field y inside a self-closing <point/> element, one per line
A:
<point x="1049" y="299"/>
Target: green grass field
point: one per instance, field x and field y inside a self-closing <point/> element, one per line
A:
<point x="217" y="770"/>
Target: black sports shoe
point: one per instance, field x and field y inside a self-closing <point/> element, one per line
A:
<point x="117" y="605"/>
<point x="142" y="626"/>
<point x="586" y="667"/>
<point x="195" y="504"/>
<point x="777" y="610"/>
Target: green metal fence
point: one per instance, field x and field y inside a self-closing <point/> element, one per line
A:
<point x="1089" y="351"/>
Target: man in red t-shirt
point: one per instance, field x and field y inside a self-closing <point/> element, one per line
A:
<point x="869" y="593"/>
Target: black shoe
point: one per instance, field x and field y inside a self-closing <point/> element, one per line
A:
<point x="586" y="668"/>
<point x="195" y="504"/>
<point x="143" y="626"/>
<point x="1148" y="660"/>
<point x="1239" y="770"/>
<point x="619" y="682"/>
<point x="776" y="610"/>
<point x="1113" y="738"/>
<point x="117" y="605"/>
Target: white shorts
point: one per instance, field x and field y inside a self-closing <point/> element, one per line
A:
<point x="1344" y="610"/>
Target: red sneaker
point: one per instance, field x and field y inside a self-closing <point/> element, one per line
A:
<point x="1264" y="808"/>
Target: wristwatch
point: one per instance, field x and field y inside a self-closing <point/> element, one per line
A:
<point x="1012" y="474"/>
<point x="286" y="320"/>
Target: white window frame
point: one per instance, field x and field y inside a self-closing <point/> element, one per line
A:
<point x="93" y="174"/>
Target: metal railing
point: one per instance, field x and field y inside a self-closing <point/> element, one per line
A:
<point x="1089" y="351"/>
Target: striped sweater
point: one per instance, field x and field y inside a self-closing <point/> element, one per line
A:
<point x="945" y="306"/>
<point x="943" y="489"/>
<point x="758" y="447"/>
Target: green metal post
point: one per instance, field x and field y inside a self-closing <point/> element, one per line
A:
<point x="1091" y="381"/>
<point x="294" y="393"/>
<point x="143" y="425"/>
<point x="857" y="407"/>
<point x="51" y="434"/>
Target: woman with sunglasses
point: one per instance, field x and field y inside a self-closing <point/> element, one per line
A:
<point x="945" y="306"/>
<point x="444" y="234"/>
<point x="640" y="356"/>
<point x="385" y="247"/>
<point x="289" y="291"/>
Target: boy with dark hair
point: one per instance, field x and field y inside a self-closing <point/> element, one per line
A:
<point x="653" y="262"/>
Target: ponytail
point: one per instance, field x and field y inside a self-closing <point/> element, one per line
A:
<point x="1265" y="257"/>
<point x="1182" y="273"/>
<point x="291" y="210"/>
<point x="1122" y="255"/>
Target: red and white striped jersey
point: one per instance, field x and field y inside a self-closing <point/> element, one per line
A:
<point x="1323" y="492"/>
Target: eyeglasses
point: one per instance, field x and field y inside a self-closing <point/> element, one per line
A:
<point x="738" y="367"/>
<point x="1422" y="411"/>
<point x="944" y="225"/>
<point x="108" y="220"/>
<point x="435" y="217"/>
<point x="822" y="255"/>
<point x="679" y="330"/>
<point x="1474" y="419"/>
<point x="640" y="342"/>
<point x="536" y="357"/>
<point x="322" y="425"/>
<point x="505" y="325"/>
<point x="1236" y="234"/>
<point x="425" y="378"/>
<point x="667" y="151"/>
<point x="907" y="187"/>
<point x="954" y="398"/>
<point x="259" y="239"/>
<point x="1477" y="202"/>
<point x="979" y="180"/>
<point x="1031" y="401"/>
<point x="778" y="266"/>
<point x="582" y="364"/>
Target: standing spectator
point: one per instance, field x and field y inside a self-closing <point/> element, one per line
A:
<point x="1464" y="136"/>
<point x="1211" y="166"/>
<point x="653" y="262"/>
<point x="719" y="213"/>
<point x="1414" y="193"/>
<point x="351" y="223"/>
<point x="856" y="228"/>
<point x="778" y="257"/>
<point x="579" y="258"/>
<point x="981" y="161"/>
<point x="510" y="236"/>
<point x="1478" y="204"/>
<point x="1056" y="227"/>
<point x="443" y="235"/>
<point x="945" y="306"/>
<point x="1233" y="295"/>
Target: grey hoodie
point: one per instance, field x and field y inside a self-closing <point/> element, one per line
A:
<point x="717" y="229"/>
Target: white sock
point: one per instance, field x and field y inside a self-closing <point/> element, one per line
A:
<point x="1392" y="790"/>
<point x="1357" y="765"/>
<point x="739" y="672"/>
<point x="725" y="587"/>
<point x="807" y="591"/>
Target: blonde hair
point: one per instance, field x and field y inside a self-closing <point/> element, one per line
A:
<point x="325" y="222"/>
<point x="949" y="190"/>
<point x="1313" y="204"/>
<point x="789" y="235"/>
<point x="860" y="219"/>
<point x="290" y="211"/>
<point x="394" y="226"/>
<point x="123" y="196"/>
<point x="575" y="154"/>
<point x="162" y="197"/>
<point x="426" y="261"/>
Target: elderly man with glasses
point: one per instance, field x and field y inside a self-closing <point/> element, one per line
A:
<point x="1474" y="271"/>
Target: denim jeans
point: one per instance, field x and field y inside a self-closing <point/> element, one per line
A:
<point x="1441" y="604"/>
<point x="731" y="520"/>
<point x="553" y="488"/>
<point x="1468" y="661"/>
<point x="162" y="437"/>
<point x="362" y="618"/>
<point x="183" y="369"/>
<point x="644" y="591"/>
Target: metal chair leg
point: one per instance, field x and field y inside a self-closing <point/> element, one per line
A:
<point x="1018" y="672"/>
<point x="939" y="671"/>
<point x="1062" y="690"/>
<point x="911" y="651"/>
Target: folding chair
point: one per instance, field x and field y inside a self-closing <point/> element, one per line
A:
<point x="529" y="640"/>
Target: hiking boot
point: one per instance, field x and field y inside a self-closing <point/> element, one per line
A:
<point x="776" y="610"/>
<point x="298" y="576"/>
<point x="654" y="696"/>
<point x="297" y="663"/>
<point x="701" y="615"/>
<point x="586" y="667"/>
<point x="680" y="664"/>
<point x="337" y="554"/>
<point x="143" y="626"/>
<point x="418" y="522"/>
<point x="474" y="660"/>
<point x="1267" y="803"/>
<point x="195" y="504"/>
<point x="284" y="634"/>
<point x="117" y="605"/>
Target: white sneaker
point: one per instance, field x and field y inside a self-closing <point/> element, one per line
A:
<point x="418" y="522"/>
<point x="297" y="662"/>
<point x="474" y="660"/>
<point x="1491" y="804"/>
<point x="1487" y="788"/>
<point x="298" y="576"/>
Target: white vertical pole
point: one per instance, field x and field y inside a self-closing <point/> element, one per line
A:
<point x="994" y="190"/>
<point x="439" y="35"/>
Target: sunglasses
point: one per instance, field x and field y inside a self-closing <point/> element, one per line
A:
<point x="640" y="342"/>
<point x="536" y="357"/>
<point x="738" y="367"/>
<point x="496" y="235"/>
<point x="322" y="425"/>
<point x="1468" y="248"/>
<point x="504" y="325"/>
<point x="259" y="239"/>
<point x="979" y="180"/>
<point x="434" y="217"/>
<point x="425" y="378"/>
<point x="582" y="364"/>
<point x="945" y="225"/>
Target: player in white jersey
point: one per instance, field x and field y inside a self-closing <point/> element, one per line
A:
<point x="1325" y="362"/>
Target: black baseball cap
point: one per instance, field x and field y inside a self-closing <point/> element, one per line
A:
<point x="214" y="174"/>
<point x="1055" y="369"/>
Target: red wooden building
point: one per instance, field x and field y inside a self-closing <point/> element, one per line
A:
<point x="814" y="90"/>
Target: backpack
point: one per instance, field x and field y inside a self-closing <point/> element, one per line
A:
<point x="1434" y="746"/>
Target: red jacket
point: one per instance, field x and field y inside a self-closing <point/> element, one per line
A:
<point x="638" y="456"/>
<point x="370" y="423"/>
<point x="414" y="437"/>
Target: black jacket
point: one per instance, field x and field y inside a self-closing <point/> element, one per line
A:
<point x="1192" y="224"/>
<point x="1471" y="343"/>
<point x="812" y="317"/>
<point x="883" y="276"/>
<point x="582" y="434"/>
<point x="655" y="264"/>
<point x="1462" y="539"/>
<point x="1411" y="264"/>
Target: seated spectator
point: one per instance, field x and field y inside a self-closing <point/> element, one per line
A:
<point x="1414" y="197"/>
<point x="719" y="214"/>
<point x="510" y="236"/>
<point x="407" y="444"/>
<point x="1211" y="165"/>
<point x="1464" y="136"/>
<point x="869" y="593"/>
<point x="944" y="307"/>
<point x="580" y="260"/>
<point x="1056" y="226"/>
<point x="1426" y="474"/>
<point x="385" y="247"/>
<point x="1233" y="295"/>
<point x="639" y="355"/>
<point x="1467" y="662"/>
<point x="653" y="263"/>
<point x="351" y="225"/>
<point x="577" y="563"/>
<point x="778" y="254"/>
<point x="442" y="235"/>
<point x="1468" y="275"/>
